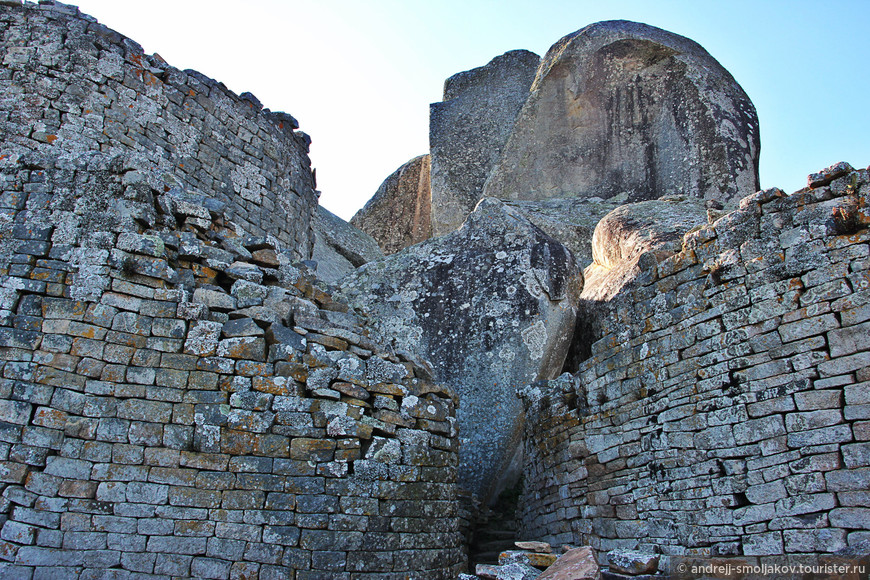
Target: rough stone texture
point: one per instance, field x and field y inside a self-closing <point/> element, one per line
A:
<point x="628" y="232"/>
<point x="512" y="571"/>
<point x="399" y="214"/>
<point x="490" y="307"/>
<point x="72" y="87"/>
<point x="625" y="108"/>
<point x="571" y="221"/>
<point x="542" y="547"/>
<point x="468" y="130"/>
<point x="623" y="242"/>
<point x="179" y="397"/>
<point x="339" y="247"/>
<point x="535" y="559"/>
<point x="575" y="564"/>
<point x="632" y="563"/>
<point x="720" y="407"/>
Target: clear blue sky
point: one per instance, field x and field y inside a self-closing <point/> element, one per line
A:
<point x="360" y="74"/>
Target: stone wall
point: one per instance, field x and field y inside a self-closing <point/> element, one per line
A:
<point x="70" y="86"/>
<point x="179" y="397"/>
<point x="724" y="407"/>
<point x="185" y="402"/>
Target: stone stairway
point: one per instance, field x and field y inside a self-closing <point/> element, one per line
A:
<point x="494" y="531"/>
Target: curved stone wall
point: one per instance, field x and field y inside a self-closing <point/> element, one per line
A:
<point x="724" y="407"/>
<point x="177" y="398"/>
<point x="72" y="86"/>
<point x="185" y="402"/>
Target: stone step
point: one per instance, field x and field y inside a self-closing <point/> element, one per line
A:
<point x="497" y="534"/>
<point x="484" y="544"/>
<point x="488" y="557"/>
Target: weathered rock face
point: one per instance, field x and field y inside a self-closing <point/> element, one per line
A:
<point x="399" y="213"/>
<point x="575" y="564"/>
<point x="632" y="563"/>
<point x="628" y="232"/>
<point x="491" y="306"/>
<point x="339" y="247"/>
<point x="625" y="108"/>
<point x="468" y="130"/>
<point x="571" y="221"/>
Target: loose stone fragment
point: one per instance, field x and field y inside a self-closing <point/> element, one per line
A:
<point x="532" y="546"/>
<point x="632" y="563"/>
<point x="575" y="564"/>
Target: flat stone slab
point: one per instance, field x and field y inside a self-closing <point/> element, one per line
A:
<point x="632" y="562"/>
<point x="577" y="564"/>
<point x="533" y="546"/>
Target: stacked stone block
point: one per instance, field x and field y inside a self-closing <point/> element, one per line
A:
<point x="724" y="409"/>
<point x="70" y="86"/>
<point x="185" y="402"/>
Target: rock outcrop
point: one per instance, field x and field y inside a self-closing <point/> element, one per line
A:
<point x="339" y="247"/>
<point x="629" y="232"/>
<point x="625" y="108"/>
<point x="399" y="214"/>
<point x="571" y="221"/>
<point x="491" y="306"/>
<point x="468" y="130"/>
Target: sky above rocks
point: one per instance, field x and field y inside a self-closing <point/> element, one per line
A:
<point x="359" y="75"/>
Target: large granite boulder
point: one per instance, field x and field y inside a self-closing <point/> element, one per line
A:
<point x="398" y="215"/>
<point x="571" y="221"/>
<point x="339" y="247"/>
<point x="492" y="307"/>
<point x="468" y="130"/>
<point x="625" y="108"/>
<point x="628" y="232"/>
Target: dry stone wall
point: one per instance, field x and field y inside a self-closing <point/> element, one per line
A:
<point x="72" y="86"/>
<point x="186" y="403"/>
<point x="724" y="408"/>
<point x="179" y="397"/>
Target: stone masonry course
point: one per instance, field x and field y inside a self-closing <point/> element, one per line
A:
<point x="179" y="395"/>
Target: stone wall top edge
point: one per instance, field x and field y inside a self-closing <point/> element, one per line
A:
<point x="246" y="101"/>
<point x="702" y="247"/>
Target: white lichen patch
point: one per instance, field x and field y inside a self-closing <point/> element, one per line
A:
<point x="531" y="284"/>
<point x="535" y="339"/>
<point x="410" y="402"/>
<point x="9" y="292"/>
<point x="340" y="426"/>
<point x="497" y="308"/>
<point x="390" y="452"/>
<point x="91" y="278"/>
<point x="248" y="182"/>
